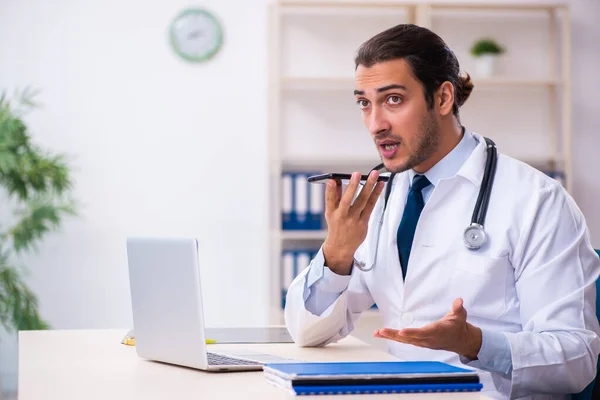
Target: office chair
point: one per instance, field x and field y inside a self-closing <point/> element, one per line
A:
<point x="592" y="391"/>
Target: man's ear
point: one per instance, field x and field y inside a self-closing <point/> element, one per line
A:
<point x="445" y="98"/>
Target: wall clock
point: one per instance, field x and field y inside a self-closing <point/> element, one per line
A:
<point x="196" y="35"/>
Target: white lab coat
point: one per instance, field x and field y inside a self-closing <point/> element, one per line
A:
<point x="534" y="280"/>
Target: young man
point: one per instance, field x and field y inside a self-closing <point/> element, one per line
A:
<point x="521" y="308"/>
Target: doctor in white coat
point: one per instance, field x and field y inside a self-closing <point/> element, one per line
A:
<point x="521" y="308"/>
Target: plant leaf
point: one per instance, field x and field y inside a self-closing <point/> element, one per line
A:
<point x="38" y="181"/>
<point x="41" y="215"/>
<point x="24" y="167"/>
<point x="18" y="304"/>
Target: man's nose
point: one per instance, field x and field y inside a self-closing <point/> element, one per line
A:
<point x="377" y="121"/>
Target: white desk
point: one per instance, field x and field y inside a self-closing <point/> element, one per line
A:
<point x="64" y="365"/>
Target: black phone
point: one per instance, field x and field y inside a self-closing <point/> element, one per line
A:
<point x="343" y="178"/>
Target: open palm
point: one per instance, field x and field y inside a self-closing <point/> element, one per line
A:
<point x="452" y="333"/>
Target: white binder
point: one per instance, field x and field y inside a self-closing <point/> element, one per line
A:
<point x="317" y="206"/>
<point x="302" y="261"/>
<point x="301" y="200"/>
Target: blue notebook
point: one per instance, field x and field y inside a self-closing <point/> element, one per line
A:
<point x="371" y="377"/>
<point x="406" y="370"/>
<point x="383" y="389"/>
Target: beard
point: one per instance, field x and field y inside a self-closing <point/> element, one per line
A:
<point x="427" y="141"/>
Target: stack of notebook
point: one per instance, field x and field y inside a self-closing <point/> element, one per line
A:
<point x="371" y="378"/>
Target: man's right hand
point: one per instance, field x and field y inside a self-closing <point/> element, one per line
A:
<point x="348" y="222"/>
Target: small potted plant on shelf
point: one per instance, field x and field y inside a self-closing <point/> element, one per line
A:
<point x="486" y="52"/>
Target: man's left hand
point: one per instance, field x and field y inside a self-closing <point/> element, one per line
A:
<point x="451" y="333"/>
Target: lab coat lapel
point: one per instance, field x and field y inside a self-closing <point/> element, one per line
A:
<point x="473" y="168"/>
<point x="388" y="245"/>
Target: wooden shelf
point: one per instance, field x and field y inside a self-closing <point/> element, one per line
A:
<point x="358" y="163"/>
<point x="371" y="313"/>
<point x="345" y="4"/>
<point x="544" y="163"/>
<point x="499" y="6"/>
<point x="311" y="102"/>
<point x="303" y="235"/>
<point x="347" y="84"/>
<point x="511" y="82"/>
<point x="433" y="4"/>
<point x="334" y="10"/>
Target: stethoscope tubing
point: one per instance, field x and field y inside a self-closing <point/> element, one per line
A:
<point x="479" y="212"/>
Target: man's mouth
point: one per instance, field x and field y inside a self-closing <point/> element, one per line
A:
<point x="390" y="146"/>
<point x="388" y="150"/>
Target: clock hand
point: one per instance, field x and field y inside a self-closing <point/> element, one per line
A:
<point x="195" y="34"/>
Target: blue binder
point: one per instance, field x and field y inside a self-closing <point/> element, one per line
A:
<point x="385" y="389"/>
<point x="371" y="377"/>
<point x="316" y="209"/>
<point x="302" y="204"/>
<point x="402" y="369"/>
<point x="557" y="175"/>
<point x="287" y="201"/>
<point x="292" y="263"/>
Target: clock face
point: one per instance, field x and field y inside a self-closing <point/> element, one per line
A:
<point x="196" y="35"/>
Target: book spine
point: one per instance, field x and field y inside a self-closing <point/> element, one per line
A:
<point x="387" y="389"/>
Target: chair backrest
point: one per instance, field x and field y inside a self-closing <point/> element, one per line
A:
<point x="598" y="293"/>
<point x="592" y="391"/>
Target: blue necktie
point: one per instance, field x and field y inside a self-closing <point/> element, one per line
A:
<point x="408" y="225"/>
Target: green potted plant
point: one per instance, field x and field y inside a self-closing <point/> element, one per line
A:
<point x="34" y="187"/>
<point x="486" y="52"/>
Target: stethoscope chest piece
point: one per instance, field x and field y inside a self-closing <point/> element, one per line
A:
<point x="474" y="236"/>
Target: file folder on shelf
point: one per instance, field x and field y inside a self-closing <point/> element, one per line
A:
<point x="287" y="203"/>
<point x="316" y="210"/>
<point x="288" y="273"/>
<point x="301" y="198"/>
<point x="557" y="175"/>
<point x="371" y="377"/>
<point x="292" y="263"/>
<point x="302" y="204"/>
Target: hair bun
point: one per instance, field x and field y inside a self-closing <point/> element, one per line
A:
<point x="464" y="87"/>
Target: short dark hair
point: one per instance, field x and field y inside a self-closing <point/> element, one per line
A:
<point x="430" y="59"/>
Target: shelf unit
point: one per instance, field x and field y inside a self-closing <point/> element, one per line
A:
<point x="314" y="124"/>
<point x="311" y="84"/>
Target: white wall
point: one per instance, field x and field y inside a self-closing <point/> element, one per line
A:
<point x="149" y="135"/>
<point x="160" y="147"/>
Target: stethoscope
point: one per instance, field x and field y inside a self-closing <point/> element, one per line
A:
<point x="474" y="236"/>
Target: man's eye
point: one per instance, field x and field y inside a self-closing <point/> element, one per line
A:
<point x="394" y="100"/>
<point x="362" y="103"/>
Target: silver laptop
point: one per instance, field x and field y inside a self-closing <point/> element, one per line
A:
<point x="168" y="318"/>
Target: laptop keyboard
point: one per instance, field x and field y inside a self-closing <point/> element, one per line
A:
<point x="218" y="359"/>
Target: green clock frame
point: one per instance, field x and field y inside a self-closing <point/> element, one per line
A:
<point x="219" y="40"/>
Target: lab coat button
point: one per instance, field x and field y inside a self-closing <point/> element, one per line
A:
<point x="407" y="319"/>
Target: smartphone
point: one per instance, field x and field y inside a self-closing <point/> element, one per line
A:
<point x="343" y="178"/>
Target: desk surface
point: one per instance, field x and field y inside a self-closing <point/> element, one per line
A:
<point x="64" y="365"/>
